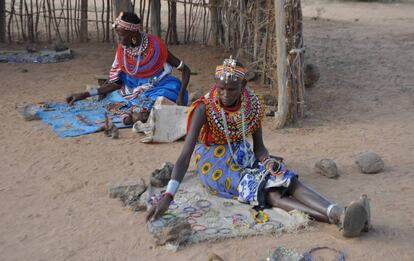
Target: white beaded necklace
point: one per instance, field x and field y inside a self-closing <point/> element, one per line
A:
<point x="136" y="67"/>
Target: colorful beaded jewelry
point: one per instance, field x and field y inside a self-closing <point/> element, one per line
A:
<point x="253" y="111"/>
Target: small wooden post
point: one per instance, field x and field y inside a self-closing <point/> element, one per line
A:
<point x="282" y="106"/>
<point x="84" y="21"/>
<point x="156" y="17"/>
<point x="2" y="21"/>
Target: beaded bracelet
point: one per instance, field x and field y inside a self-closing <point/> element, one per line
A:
<point x="93" y="92"/>
<point x="180" y="66"/>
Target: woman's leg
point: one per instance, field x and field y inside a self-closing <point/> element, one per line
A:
<point x="288" y="203"/>
<point x="314" y="200"/>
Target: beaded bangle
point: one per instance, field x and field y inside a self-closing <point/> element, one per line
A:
<point x="180" y="66"/>
<point x="169" y="194"/>
<point x="172" y="186"/>
<point x="261" y="217"/>
<point x="93" y="92"/>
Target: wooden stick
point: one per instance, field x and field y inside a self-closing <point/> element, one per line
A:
<point x="9" y="28"/>
<point x="108" y="13"/>
<point x="282" y="106"/>
<point x="96" y="17"/>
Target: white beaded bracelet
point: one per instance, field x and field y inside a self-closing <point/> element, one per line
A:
<point x="93" y="92"/>
<point x="172" y="186"/>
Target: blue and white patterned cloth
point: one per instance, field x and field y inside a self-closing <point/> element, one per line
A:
<point x="237" y="178"/>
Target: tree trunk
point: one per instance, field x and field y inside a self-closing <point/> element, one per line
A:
<point x="214" y="23"/>
<point x="84" y="21"/>
<point x="2" y="21"/>
<point x="282" y="106"/>
<point x="156" y="17"/>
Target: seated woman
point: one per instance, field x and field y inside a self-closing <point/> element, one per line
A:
<point x="141" y="71"/>
<point x="218" y="125"/>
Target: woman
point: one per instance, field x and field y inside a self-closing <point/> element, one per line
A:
<point x="141" y="71"/>
<point x="218" y="125"/>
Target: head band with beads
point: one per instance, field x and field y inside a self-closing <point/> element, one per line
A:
<point x="125" y="25"/>
<point x="230" y="70"/>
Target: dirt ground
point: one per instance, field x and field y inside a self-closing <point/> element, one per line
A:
<point x="53" y="191"/>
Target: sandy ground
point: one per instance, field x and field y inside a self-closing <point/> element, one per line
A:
<point x="53" y="191"/>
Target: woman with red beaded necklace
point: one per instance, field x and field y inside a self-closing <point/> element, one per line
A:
<point x="218" y="124"/>
<point x="141" y="71"/>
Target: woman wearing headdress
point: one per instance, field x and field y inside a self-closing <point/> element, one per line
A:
<point x="228" y="166"/>
<point x="141" y="70"/>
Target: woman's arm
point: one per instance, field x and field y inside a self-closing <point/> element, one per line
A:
<point x="185" y="75"/>
<point x="106" y="88"/>
<point x="183" y="161"/>
<point x="259" y="148"/>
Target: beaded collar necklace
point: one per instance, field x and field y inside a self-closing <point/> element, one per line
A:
<point x="233" y="126"/>
<point x="135" y="52"/>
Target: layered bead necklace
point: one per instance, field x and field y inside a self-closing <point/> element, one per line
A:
<point x="135" y="52"/>
<point x="238" y="123"/>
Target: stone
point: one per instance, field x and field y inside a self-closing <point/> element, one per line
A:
<point x="327" y="167"/>
<point x="311" y="74"/>
<point x="128" y="190"/>
<point x="174" y="231"/>
<point x="195" y="95"/>
<point x="369" y="162"/>
<point x="160" y="177"/>
<point x="135" y="204"/>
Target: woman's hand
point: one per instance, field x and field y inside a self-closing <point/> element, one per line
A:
<point x="71" y="99"/>
<point x="160" y="208"/>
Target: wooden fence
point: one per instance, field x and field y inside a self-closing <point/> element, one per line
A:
<point x="247" y="28"/>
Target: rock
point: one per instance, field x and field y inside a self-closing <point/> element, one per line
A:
<point x="369" y="162"/>
<point x="312" y="74"/>
<point x="174" y="231"/>
<point x="135" y="204"/>
<point x="195" y="95"/>
<point x="327" y="167"/>
<point x="270" y="100"/>
<point x="160" y="177"/>
<point x="128" y="190"/>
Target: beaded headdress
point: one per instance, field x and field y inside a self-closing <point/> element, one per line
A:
<point x="230" y="70"/>
<point x="125" y="25"/>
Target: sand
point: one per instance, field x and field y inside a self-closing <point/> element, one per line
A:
<point x="53" y="191"/>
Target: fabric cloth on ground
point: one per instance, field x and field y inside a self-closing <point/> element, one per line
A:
<point x="44" y="56"/>
<point x="215" y="218"/>
<point x="145" y="74"/>
<point x="84" y="117"/>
